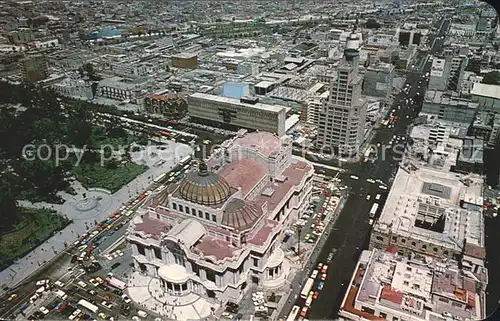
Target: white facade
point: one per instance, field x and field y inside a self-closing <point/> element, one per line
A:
<point x="216" y="242"/>
<point x="234" y="112"/>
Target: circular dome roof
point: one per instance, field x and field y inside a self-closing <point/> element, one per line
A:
<point x="204" y="187"/>
<point x="240" y="214"/>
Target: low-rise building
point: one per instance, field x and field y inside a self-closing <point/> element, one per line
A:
<point x="118" y="88"/>
<point x="187" y="60"/>
<point x="378" y="80"/>
<point x="231" y="112"/>
<point x="448" y="107"/>
<point x="171" y="105"/>
<point x="388" y="286"/>
<point x="487" y="96"/>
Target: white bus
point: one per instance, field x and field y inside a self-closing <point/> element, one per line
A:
<point x="307" y="288"/>
<point x="309" y="299"/>
<point x="185" y="160"/>
<point x="87" y="305"/>
<point x="159" y="178"/>
<point x="374" y="209"/>
<point x="294" y="313"/>
<point x="114" y="282"/>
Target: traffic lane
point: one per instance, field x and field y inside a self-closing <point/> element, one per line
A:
<point x="353" y="230"/>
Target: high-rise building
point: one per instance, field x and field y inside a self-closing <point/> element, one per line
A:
<point x="341" y="121"/>
<point x="34" y="68"/>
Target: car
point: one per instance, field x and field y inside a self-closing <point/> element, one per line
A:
<point x="315" y="295"/>
<point x="324" y="269"/>
<point x="383" y="187"/>
<point x="92" y="292"/>
<point x="82" y="284"/>
<point x="44" y="310"/>
<point x="12" y="297"/>
<point x="323" y="277"/>
<point x="59" y="284"/>
<point x="370" y="180"/>
<point x="126" y="299"/>
<point x="321" y="285"/>
<point x="354" y="177"/>
<point x="99" y="280"/>
<point x="42" y="282"/>
<point x="311" y="240"/>
<point x="377" y="197"/>
<point x="307" y="237"/>
<point x="368" y="197"/>
<point x="320" y="265"/>
<point x="303" y="313"/>
<point x="93" y="282"/>
<point x="107" y="304"/>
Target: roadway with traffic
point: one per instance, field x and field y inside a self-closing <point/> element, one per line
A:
<point x="352" y="229"/>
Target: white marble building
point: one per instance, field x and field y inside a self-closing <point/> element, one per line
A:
<point x="220" y="228"/>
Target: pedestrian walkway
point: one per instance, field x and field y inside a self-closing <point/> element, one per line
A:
<point x="146" y="292"/>
<point x="96" y="206"/>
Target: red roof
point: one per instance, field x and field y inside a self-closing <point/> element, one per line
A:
<point x="391" y="295"/>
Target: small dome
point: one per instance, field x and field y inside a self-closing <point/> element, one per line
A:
<point x="204" y="187"/>
<point x="240" y="214"/>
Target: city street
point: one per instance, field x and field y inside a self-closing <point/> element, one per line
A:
<point x="352" y="229"/>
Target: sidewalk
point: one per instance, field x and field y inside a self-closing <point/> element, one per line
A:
<point x="98" y="206"/>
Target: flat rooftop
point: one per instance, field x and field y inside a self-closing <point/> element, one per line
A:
<point x="425" y="194"/>
<point x="484" y="90"/>
<point x="237" y="102"/>
<point x="385" y="282"/>
<point x="441" y="97"/>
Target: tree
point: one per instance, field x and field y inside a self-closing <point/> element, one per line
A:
<point x="8" y="208"/>
<point x="78" y="126"/>
<point x="492" y="78"/>
<point x="372" y="24"/>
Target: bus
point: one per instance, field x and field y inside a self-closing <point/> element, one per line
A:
<point x="374" y="209"/>
<point x="294" y="313"/>
<point x="114" y="282"/>
<point x="307" y="288"/>
<point x="87" y="305"/>
<point x="159" y="178"/>
<point x="309" y="299"/>
<point x="185" y="160"/>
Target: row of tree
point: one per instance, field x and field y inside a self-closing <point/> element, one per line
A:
<point x="42" y="118"/>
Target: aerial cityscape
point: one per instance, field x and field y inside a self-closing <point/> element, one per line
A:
<point x="249" y="160"/>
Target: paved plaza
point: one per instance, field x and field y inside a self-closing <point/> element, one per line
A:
<point x="146" y="292"/>
<point x="96" y="206"/>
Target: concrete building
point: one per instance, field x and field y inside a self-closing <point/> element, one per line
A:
<point x="378" y="80"/>
<point x="388" y="286"/>
<point x="470" y="157"/>
<point x="118" y="88"/>
<point x="236" y="113"/>
<point x="171" y="106"/>
<point x="76" y="88"/>
<point x="187" y="60"/>
<point x="34" y="68"/>
<point x="432" y="211"/>
<point x="217" y="232"/>
<point x="343" y="116"/>
<point x="447" y="73"/>
<point x="487" y="126"/>
<point x="235" y="90"/>
<point x="487" y="96"/>
<point x="448" y="107"/>
<point x="132" y="69"/>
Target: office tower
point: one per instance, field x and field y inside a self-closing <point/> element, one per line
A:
<point x="342" y="119"/>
